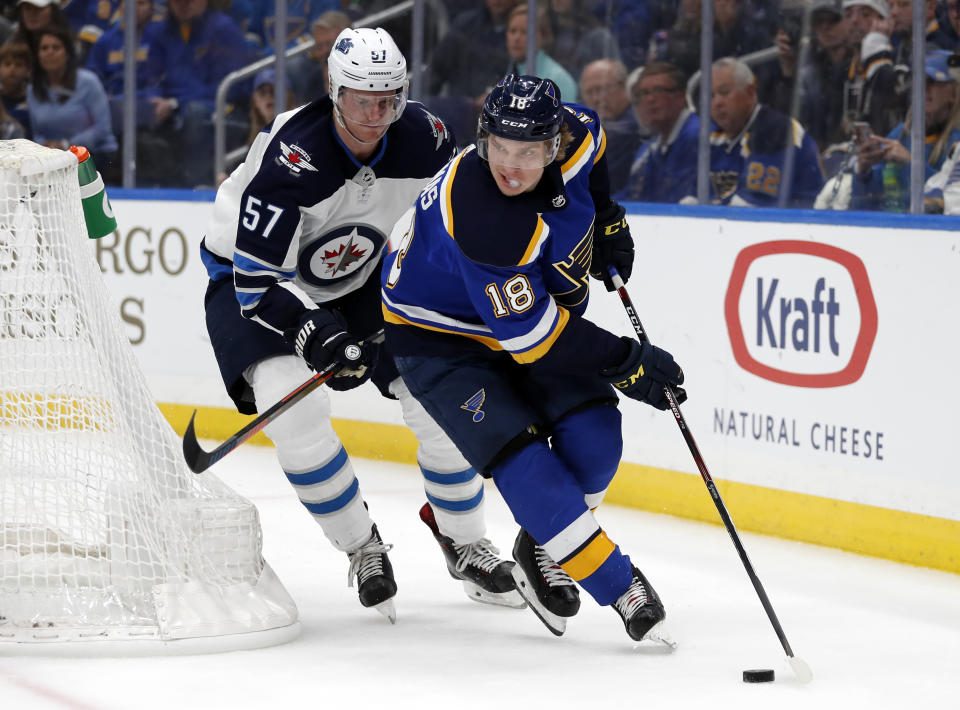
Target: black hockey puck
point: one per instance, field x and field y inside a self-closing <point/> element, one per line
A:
<point x="759" y="675"/>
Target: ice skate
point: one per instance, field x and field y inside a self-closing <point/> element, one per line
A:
<point x="486" y="578"/>
<point x="549" y="591"/>
<point x="642" y="611"/>
<point x="371" y="567"/>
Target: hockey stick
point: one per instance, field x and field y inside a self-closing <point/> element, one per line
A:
<point x="800" y="668"/>
<point x="199" y="460"/>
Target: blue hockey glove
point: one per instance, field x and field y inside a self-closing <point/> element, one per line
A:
<point x="612" y="245"/>
<point x="643" y="374"/>
<point x="322" y="340"/>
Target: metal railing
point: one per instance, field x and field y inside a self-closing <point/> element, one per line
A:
<point x="219" y="116"/>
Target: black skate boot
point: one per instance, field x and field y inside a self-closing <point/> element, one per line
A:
<point x="549" y="591"/>
<point x="486" y="578"/>
<point x="641" y="609"/>
<point x="371" y="567"/>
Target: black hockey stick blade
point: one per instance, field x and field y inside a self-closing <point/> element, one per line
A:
<point x="199" y="460"/>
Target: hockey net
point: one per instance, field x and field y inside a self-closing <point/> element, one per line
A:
<point x="105" y="534"/>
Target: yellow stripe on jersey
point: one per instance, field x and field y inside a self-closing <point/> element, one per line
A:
<point x="534" y="354"/>
<point x="603" y="146"/>
<point x="447" y="187"/>
<point x="534" y="242"/>
<point x="589" y="559"/>
<point x="575" y="160"/>
<point x="391" y="317"/>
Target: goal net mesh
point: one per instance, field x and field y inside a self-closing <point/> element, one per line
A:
<point x="104" y="531"/>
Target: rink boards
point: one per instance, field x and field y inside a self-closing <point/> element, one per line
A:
<point x="817" y="350"/>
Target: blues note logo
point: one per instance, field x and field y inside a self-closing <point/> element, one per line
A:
<point x="473" y="405"/>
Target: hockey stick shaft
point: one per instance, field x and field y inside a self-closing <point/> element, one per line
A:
<point x="200" y="460"/>
<point x="704" y="473"/>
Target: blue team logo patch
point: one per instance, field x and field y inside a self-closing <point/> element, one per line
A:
<point x="339" y="253"/>
<point x="473" y="405"/>
<point x="344" y="46"/>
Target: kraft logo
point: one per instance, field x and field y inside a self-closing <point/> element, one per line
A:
<point x="800" y="313"/>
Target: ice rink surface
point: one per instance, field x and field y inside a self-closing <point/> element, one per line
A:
<point x="876" y="634"/>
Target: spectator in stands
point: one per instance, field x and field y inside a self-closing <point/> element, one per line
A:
<point x="262" y="113"/>
<point x="631" y="23"/>
<point x="603" y="87"/>
<point x="665" y="169"/>
<point x="10" y="127"/>
<point x="15" y="67"/>
<point x="68" y="105"/>
<point x="901" y="13"/>
<point x="883" y="169"/>
<point x="307" y="72"/>
<point x="300" y="16"/>
<point x="733" y="34"/>
<point x="749" y="153"/>
<point x="89" y="20"/>
<point x="195" y="49"/>
<point x="107" y="57"/>
<point x="578" y="36"/>
<point x="951" y="10"/>
<point x="34" y="16"/>
<point x="821" y="100"/>
<point x="546" y="66"/>
<point x="872" y="93"/>
<point x="472" y="57"/>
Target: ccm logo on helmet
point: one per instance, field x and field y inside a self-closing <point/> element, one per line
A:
<point x="515" y="124"/>
<point x="801" y="313"/>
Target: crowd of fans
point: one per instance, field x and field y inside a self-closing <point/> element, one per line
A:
<point x="823" y="123"/>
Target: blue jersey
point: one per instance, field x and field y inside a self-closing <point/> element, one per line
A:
<point x="302" y="222"/>
<point x="666" y="170"/>
<point x="484" y="270"/>
<point x="747" y="169"/>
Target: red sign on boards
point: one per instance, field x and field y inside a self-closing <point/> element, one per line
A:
<point x="868" y="314"/>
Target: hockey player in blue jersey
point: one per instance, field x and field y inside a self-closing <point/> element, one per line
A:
<point x="294" y="255"/>
<point x="484" y="304"/>
<point x="749" y="151"/>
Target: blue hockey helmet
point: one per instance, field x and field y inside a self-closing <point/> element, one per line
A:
<point x="522" y="108"/>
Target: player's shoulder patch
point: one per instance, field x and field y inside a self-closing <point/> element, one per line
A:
<point x="300" y="157"/>
<point x="438" y="128"/>
<point x="488" y="227"/>
<point x="429" y="128"/>
<point x="581" y="120"/>
<point x="588" y="143"/>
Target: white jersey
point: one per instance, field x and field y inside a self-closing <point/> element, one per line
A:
<point x="302" y="222"/>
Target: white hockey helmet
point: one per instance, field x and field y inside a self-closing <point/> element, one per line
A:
<point x="367" y="59"/>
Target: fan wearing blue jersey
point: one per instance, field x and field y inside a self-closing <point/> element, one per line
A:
<point x="484" y="304"/>
<point x="294" y="254"/>
<point x="750" y="152"/>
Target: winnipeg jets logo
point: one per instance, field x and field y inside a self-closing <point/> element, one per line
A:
<point x="439" y="129"/>
<point x="473" y="405"/>
<point x="339" y="254"/>
<point x="295" y="158"/>
<point x="343" y="256"/>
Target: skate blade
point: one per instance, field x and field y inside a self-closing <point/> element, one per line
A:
<point x="388" y="609"/>
<point x="660" y="637"/>
<point x="510" y="599"/>
<point x="556" y="624"/>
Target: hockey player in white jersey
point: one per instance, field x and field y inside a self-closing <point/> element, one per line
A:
<point x="294" y="254"/>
